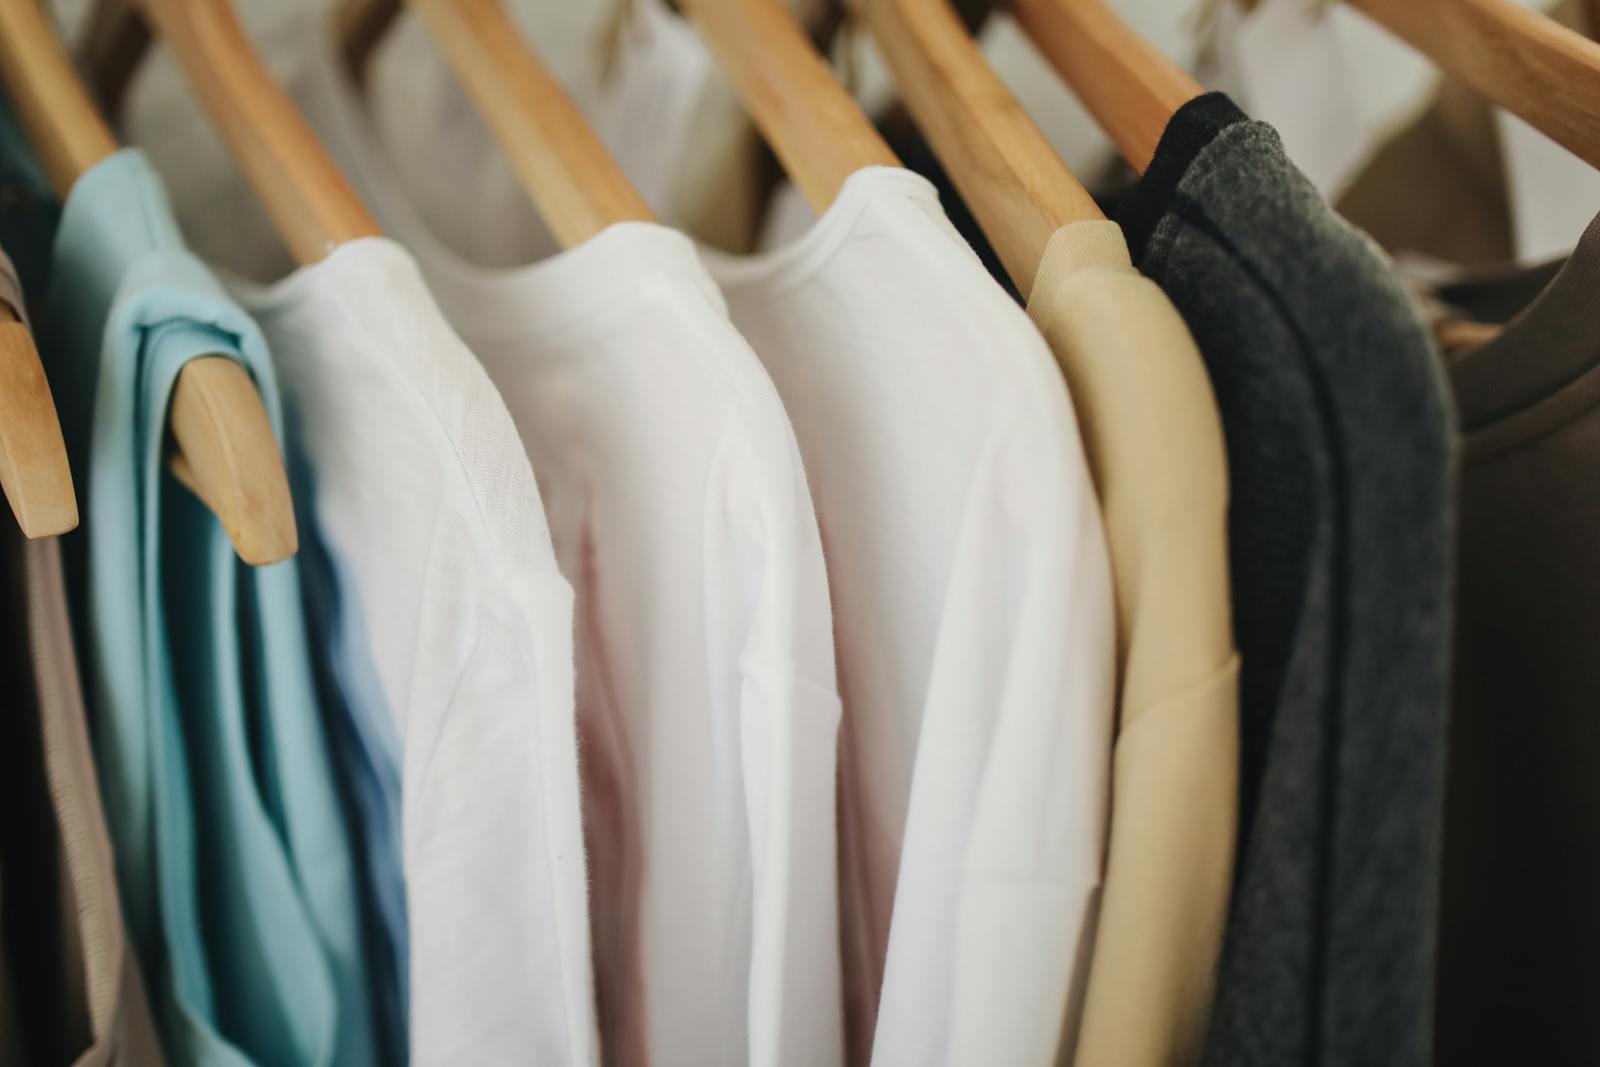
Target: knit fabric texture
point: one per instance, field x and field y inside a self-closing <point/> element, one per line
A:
<point x="1341" y="464"/>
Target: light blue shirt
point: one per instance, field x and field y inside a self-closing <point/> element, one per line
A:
<point x="236" y="866"/>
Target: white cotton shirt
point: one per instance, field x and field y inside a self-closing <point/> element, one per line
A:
<point x="973" y="614"/>
<point x="706" y="691"/>
<point x="425" y="501"/>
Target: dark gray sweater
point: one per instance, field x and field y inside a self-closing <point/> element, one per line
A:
<point x="1341" y="463"/>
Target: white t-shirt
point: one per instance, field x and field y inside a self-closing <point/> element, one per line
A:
<point x="425" y="501"/>
<point x="971" y="588"/>
<point x="973" y="614"/>
<point x="706" y="693"/>
<point x="972" y="606"/>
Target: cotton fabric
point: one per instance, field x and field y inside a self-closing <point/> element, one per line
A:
<point x="1154" y="443"/>
<point x="1341" y="470"/>
<point x="706" y="694"/>
<point x="1518" y="930"/>
<point x="973" y="617"/>
<point x="232" y="855"/>
<point x="421" y="496"/>
<point x="879" y="291"/>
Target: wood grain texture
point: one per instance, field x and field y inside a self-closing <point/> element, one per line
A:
<point x="561" y="163"/>
<point x="1526" y="62"/>
<point x="62" y="122"/>
<point x="819" y="132"/>
<point x="1016" y="185"/>
<point x="1130" y="87"/>
<point x="311" y="205"/>
<point x="218" y="426"/>
<point x="226" y="449"/>
<point x="816" y="129"/>
<point x="34" y="472"/>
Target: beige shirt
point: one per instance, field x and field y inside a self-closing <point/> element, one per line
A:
<point x="1155" y="447"/>
<point x="68" y="977"/>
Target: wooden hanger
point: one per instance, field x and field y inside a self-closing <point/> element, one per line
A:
<point x="1016" y="185"/>
<point x="1129" y="86"/>
<point x="34" y="472"/>
<point x="565" y="169"/>
<point x="819" y="132"/>
<point x="311" y="205"/>
<point x="1523" y="61"/>
<point x="225" y="451"/>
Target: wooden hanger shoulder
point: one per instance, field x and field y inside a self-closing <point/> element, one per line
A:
<point x="34" y="472"/>
<point x="1127" y="84"/>
<point x="226" y="455"/>
<point x="1524" y="61"/>
<point x="565" y="169"/>
<point x="224" y="440"/>
<point x="311" y="205"/>
<point x="1009" y="175"/>
<point x="816" y="128"/>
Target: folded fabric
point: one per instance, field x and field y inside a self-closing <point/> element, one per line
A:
<point x="232" y="852"/>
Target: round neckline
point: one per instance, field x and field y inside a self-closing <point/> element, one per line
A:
<point x="1557" y="328"/>
<point x="558" y="289"/>
<point x="803" y="255"/>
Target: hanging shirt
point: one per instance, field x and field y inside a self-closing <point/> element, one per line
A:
<point x="453" y="616"/>
<point x="903" y="476"/>
<point x="70" y="990"/>
<point x="706" y="697"/>
<point x="1518" y="931"/>
<point x="1154" y="442"/>
<point x="973" y="614"/>
<point x="1340" y="467"/>
<point x="232" y="855"/>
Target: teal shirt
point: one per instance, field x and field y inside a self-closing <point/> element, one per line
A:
<point x="233" y="857"/>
